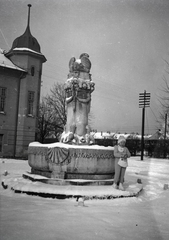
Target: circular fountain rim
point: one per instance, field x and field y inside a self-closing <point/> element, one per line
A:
<point x="64" y="145"/>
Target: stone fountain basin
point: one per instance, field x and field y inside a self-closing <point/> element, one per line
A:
<point x="59" y="160"/>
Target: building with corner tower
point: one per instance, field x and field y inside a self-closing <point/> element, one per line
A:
<point x="20" y="84"/>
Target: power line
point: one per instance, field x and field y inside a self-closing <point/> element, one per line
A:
<point x="115" y="97"/>
<point x="99" y="80"/>
<point x="56" y="79"/>
<point x="153" y="113"/>
<point x="54" y="66"/>
<point x="4" y="39"/>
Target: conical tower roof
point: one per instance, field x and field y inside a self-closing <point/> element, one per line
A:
<point x="27" y="40"/>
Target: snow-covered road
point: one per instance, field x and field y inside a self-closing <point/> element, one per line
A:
<point x="145" y="217"/>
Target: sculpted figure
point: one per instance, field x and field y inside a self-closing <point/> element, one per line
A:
<point x="78" y="88"/>
<point x="82" y="64"/>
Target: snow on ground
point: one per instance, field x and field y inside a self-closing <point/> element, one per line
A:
<point x="32" y="217"/>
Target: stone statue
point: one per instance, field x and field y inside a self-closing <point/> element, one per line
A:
<point x="75" y="156"/>
<point x="78" y="88"/>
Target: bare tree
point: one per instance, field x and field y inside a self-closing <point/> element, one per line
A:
<point x="57" y="102"/>
<point x="52" y="113"/>
<point x="164" y="100"/>
<point x="45" y="120"/>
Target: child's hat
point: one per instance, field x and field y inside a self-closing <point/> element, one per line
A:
<point x="121" y="139"/>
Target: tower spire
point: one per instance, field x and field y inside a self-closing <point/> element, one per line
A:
<point x="26" y="40"/>
<point x="29" y="6"/>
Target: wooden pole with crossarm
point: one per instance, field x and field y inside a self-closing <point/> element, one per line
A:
<point x="144" y="101"/>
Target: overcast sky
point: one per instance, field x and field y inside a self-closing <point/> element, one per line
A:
<point x="126" y="40"/>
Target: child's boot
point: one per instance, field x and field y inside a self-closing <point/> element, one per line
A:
<point x="121" y="187"/>
<point x="115" y="185"/>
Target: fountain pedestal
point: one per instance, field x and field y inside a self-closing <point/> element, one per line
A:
<point x="67" y="161"/>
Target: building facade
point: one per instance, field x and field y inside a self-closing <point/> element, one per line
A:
<point x="20" y="84"/>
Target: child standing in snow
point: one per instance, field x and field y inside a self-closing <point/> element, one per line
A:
<point x="121" y="154"/>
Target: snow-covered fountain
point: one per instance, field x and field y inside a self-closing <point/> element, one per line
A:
<point x="75" y="156"/>
<point x="74" y="167"/>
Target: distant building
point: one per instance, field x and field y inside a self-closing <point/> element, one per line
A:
<point x="20" y="83"/>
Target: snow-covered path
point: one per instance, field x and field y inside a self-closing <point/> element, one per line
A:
<point x="145" y="217"/>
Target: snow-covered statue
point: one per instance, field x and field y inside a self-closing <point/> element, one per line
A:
<point x="78" y="88"/>
<point x="82" y="64"/>
<point x="75" y="156"/>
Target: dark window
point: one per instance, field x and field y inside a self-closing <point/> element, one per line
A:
<point x="30" y="102"/>
<point x="1" y="138"/>
<point x="2" y="99"/>
<point x="32" y="71"/>
<point x="40" y="73"/>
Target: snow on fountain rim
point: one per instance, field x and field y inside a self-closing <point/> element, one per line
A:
<point x="63" y="145"/>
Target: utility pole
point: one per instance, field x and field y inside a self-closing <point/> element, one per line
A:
<point x="165" y="132"/>
<point x="144" y="101"/>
